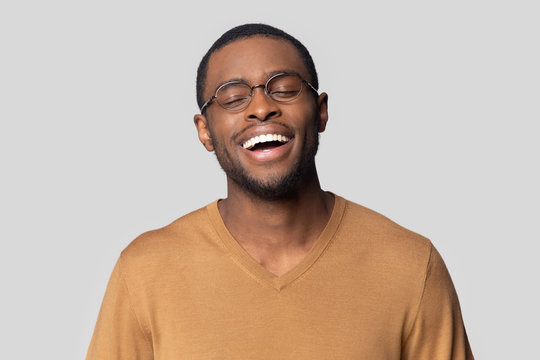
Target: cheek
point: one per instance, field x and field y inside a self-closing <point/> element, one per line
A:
<point x="223" y="131"/>
<point x="306" y="120"/>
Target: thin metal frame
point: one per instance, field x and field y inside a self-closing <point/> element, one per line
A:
<point x="213" y="97"/>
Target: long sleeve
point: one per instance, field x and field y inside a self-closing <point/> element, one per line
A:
<point x="438" y="332"/>
<point x="118" y="333"/>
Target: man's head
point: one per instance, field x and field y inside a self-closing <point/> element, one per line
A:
<point x="278" y="165"/>
<point x="246" y="31"/>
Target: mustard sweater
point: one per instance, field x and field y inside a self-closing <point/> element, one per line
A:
<point x="367" y="289"/>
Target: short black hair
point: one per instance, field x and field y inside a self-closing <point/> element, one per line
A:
<point x="246" y="31"/>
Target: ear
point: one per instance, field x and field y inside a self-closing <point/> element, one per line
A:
<point x="202" y="129"/>
<point x="322" y="106"/>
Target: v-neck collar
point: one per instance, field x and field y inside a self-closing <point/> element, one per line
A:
<point x="259" y="272"/>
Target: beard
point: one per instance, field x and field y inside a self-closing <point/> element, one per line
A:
<point x="275" y="187"/>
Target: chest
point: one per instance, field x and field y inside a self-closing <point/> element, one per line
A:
<point x="235" y="320"/>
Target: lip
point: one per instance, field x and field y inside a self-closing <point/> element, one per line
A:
<point x="270" y="154"/>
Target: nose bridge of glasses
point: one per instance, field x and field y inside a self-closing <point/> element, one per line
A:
<point x="262" y="105"/>
<point x="264" y="88"/>
<point x="258" y="86"/>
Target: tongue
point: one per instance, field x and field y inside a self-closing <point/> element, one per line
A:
<point x="266" y="146"/>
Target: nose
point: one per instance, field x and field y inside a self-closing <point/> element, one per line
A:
<point x="261" y="107"/>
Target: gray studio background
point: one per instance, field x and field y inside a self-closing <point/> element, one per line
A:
<point x="434" y="117"/>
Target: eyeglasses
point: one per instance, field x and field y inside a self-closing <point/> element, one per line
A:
<point x="236" y="95"/>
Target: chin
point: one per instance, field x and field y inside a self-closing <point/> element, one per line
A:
<point x="276" y="187"/>
<point x="271" y="191"/>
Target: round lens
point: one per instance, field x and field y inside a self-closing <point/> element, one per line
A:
<point x="233" y="96"/>
<point x="284" y="88"/>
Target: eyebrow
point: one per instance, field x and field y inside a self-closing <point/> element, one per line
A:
<point x="269" y="75"/>
<point x="284" y="71"/>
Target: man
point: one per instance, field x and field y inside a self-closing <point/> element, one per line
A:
<point x="280" y="269"/>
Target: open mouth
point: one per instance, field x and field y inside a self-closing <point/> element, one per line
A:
<point x="265" y="142"/>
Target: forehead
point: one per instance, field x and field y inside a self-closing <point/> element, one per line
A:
<point x="253" y="59"/>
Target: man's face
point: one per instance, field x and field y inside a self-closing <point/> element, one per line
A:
<point x="271" y="169"/>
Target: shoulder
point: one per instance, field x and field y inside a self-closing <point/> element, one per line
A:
<point x="172" y="242"/>
<point x="374" y="224"/>
<point x="384" y="239"/>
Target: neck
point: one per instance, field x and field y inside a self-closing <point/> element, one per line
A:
<point x="277" y="225"/>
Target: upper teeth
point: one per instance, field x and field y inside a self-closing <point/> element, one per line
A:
<point x="264" y="138"/>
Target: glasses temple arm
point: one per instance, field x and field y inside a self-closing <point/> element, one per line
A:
<point x="312" y="87"/>
<point x="207" y="102"/>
